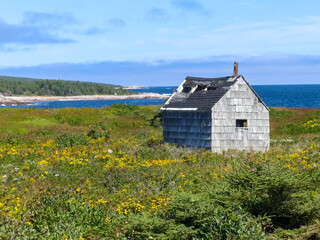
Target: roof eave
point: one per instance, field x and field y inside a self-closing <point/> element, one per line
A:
<point x="179" y="109"/>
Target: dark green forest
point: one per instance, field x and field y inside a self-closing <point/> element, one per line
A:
<point x="44" y="87"/>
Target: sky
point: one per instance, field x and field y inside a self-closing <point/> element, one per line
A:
<point x="159" y="43"/>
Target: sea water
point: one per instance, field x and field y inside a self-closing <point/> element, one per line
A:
<point x="294" y="96"/>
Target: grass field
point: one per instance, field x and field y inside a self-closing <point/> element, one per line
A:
<point x="106" y="174"/>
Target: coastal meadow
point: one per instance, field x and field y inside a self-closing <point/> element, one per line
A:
<point x="106" y="174"/>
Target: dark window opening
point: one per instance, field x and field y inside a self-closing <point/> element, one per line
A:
<point x="186" y="89"/>
<point x="211" y="88"/>
<point x="241" y="123"/>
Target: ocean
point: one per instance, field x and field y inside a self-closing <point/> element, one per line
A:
<point x="293" y="96"/>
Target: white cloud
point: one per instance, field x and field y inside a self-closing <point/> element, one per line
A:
<point x="259" y="69"/>
<point x="263" y="37"/>
<point x="190" y="6"/>
<point x="116" y="23"/>
<point x="22" y="34"/>
<point x="156" y="15"/>
<point x="49" y="20"/>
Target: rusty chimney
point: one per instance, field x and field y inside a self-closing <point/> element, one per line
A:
<point x="235" y="69"/>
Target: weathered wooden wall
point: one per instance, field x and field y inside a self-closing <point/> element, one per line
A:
<point x="189" y="128"/>
<point x="240" y="103"/>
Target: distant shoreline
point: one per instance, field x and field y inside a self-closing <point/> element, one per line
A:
<point x="133" y="87"/>
<point x="22" y="100"/>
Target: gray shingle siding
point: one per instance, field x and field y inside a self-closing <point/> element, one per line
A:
<point x="189" y="128"/>
<point x="199" y="116"/>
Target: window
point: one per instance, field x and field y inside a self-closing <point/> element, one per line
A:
<point x="241" y="123"/>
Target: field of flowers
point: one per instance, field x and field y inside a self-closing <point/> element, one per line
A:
<point x="106" y="174"/>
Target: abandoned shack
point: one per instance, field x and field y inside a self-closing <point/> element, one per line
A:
<point x="217" y="114"/>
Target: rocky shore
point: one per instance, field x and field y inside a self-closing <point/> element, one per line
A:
<point x="23" y="100"/>
<point x="6" y="101"/>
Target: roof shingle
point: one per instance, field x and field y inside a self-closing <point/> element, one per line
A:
<point x="212" y="89"/>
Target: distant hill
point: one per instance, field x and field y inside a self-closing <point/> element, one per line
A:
<point x="10" y="86"/>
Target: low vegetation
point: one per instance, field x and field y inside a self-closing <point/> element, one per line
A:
<point x="10" y="86"/>
<point x="106" y="174"/>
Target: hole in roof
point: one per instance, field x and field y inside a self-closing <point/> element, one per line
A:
<point x="211" y="88"/>
<point x="186" y="89"/>
<point x="200" y="88"/>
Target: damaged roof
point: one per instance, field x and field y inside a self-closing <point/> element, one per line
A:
<point x="200" y="93"/>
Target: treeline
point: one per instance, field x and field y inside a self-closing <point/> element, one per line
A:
<point x="44" y="87"/>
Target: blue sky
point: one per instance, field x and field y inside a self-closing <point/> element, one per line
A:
<point x="160" y="42"/>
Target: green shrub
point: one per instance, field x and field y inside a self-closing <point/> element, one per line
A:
<point x="156" y="120"/>
<point x="69" y="119"/>
<point x="123" y="109"/>
<point x="44" y="132"/>
<point x="15" y="140"/>
<point x="71" y="139"/>
<point x="153" y="141"/>
<point x="278" y="194"/>
<point x="191" y="216"/>
<point x="58" y="214"/>
<point x="96" y="133"/>
<point x="104" y="125"/>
